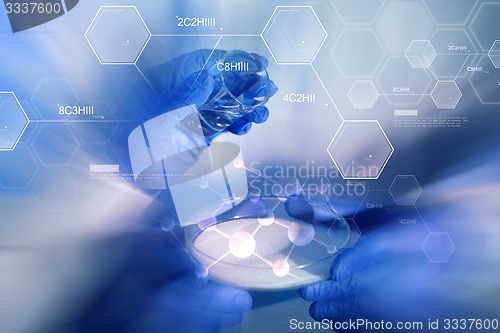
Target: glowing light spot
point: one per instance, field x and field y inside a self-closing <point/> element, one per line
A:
<point x="301" y="234"/>
<point x="201" y="272"/>
<point x="242" y="244"/>
<point x="281" y="268"/>
<point x="203" y="184"/>
<point x="266" y="218"/>
<point x="167" y="224"/>
<point x="238" y="164"/>
<point x="332" y="249"/>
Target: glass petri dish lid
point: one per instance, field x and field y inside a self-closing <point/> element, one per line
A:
<point x="267" y="243"/>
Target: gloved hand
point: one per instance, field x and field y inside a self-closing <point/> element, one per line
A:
<point x="385" y="276"/>
<point x="156" y="290"/>
<point x="185" y="81"/>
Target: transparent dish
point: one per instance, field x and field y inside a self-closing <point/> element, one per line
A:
<point x="267" y="243"/>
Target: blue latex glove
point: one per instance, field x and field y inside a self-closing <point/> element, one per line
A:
<point x="185" y="81"/>
<point x="385" y="276"/>
<point x="157" y="290"/>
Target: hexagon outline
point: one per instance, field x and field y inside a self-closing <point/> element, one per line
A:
<point x="378" y="19"/>
<point x="294" y="63"/>
<point x="338" y="133"/>
<point x="25" y="126"/>
<point x="118" y="63"/>
<point x="388" y="95"/>
<point x="395" y="200"/>
<point x="355" y="24"/>
<point x="476" y="91"/>
<point x="496" y="42"/>
<point x="32" y="177"/>
<point x="435" y="87"/>
<point x="427" y="240"/>
<point x="77" y="98"/>
<point x="355" y="234"/>
<point x="72" y="154"/>
<point x="70" y="202"/>
<point x="327" y="92"/>
<point x="474" y="19"/>
<point x="420" y="40"/>
<point x="381" y="60"/>
<point x="471" y="56"/>
<point x="363" y="81"/>
<point x="327" y="198"/>
<point x="449" y="24"/>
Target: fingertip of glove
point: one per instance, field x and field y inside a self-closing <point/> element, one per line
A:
<point x="240" y="127"/>
<point x="259" y="115"/>
<point x="242" y="301"/>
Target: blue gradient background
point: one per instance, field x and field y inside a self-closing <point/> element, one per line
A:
<point x="47" y="200"/>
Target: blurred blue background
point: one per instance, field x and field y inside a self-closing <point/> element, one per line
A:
<point x="363" y="60"/>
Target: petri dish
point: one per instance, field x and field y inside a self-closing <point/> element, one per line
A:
<point x="267" y="243"/>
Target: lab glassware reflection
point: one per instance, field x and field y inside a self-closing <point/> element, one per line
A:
<point x="241" y="85"/>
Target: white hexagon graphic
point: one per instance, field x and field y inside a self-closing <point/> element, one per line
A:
<point x="317" y="189"/>
<point x="485" y="24"/>
<point x="455" y="52"/>
<point x="438" y="247"/>
<point x="11" y="175"/>
<point x="420" y="54"/>
<point x="446" y="95"/>
<point x="55" y="144"/>
<point x="51" y="94"/>
<point x="360" y="149"/>
<point x="118" y="35"/>
<point x="405" y="190"/>
<point x="294" y="35"/>
<point x="13" y="121"/>
<point x="358" y="53"/>
<point x="494" y="54"/>
<point x="450" y="11"/>
<point x="54" y="190"/>
<point x="350" y="13"/>
<point x="363" y="95"/>
<point x="400" y="22"/>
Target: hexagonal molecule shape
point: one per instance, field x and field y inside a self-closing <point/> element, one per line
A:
<point x="355" y="233"/>
<point x="350" y="13"/>
<point x="455" y="51"/>
<point x="117" y="35"/>
<point x="13" y="121"/>
<point x="317" y="189"/>
<point x="485" y="81"/>
<point x="54" y="190"/>
<point x="494" y="54"/>
<point x="55" y="144"/>
<point x="420" y="54"/>
<point x="51" y="94"/>
<point x="438" y="247"/>
<point x="405" y="190"/>
<point x="446" y="95"/>
<point x="485" y="24"/>
<point x="442" y="12"/>
<point x="401" y="84"/>
<point x="17" y="168"/>
<point x="363" y="95"/>
<point x="400" y="22"/>
<point x="358" y="53"/>
<point x="294" y="34"/>
<point x="360" y="149"/>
